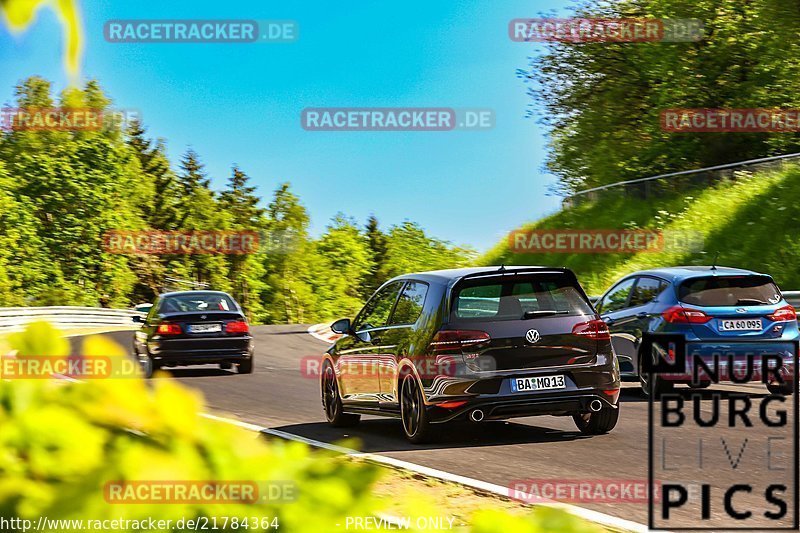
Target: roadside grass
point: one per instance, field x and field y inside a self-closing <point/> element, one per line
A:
<point x="750" y="222"/>
<point x="408" y="494"/>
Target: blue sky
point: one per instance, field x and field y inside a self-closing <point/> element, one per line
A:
<point x="241" y="103"/>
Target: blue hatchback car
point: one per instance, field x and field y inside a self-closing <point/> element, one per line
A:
<point x="715" y="304"/>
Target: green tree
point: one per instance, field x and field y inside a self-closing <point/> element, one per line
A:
<point x="377" y="246"/>
<point x="288" y="297"/>
<point x="246" y="271"/>
<point x="603" y="101"/>
<point x="76" y="185"/>
<point x="409" y="249"/>
<point x="343" y="265"/>
<point x="199" y="210"/>
<point x="162" y="212"/>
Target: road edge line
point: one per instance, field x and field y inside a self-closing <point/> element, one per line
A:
<point x="323" y="333"/>
<point x="611" y="522"/>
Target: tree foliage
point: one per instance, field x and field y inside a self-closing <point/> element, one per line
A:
<point x="62" y="191"/>
<point x="602" y="101"/>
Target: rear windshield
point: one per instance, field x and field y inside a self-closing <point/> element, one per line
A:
<point x="727" y="291"/>
<point x="511" y="299"/>
<point x="201" y="301"/>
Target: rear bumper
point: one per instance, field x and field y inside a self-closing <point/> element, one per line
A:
<point x="186" y="352"/>
<point x="556" y="404"/>
<point x="494" y="395"/>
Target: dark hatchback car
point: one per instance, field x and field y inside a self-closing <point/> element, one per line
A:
<point x="715" y="306"/>
<point x="194" y="328"/>
<point x="477" y="343"/>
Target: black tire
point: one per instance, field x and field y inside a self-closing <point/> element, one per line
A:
<point x="658" y="387"/>
<point x="148" y="366"/>
<point x="245" y="366"/>
<point x="416" y="422"/>
<point x="332" y="402"/>
<point x="597" y="423"/>
<point x="227" y="365"/>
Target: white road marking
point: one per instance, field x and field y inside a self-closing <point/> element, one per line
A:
<point x="603" y="519"/>
<point x="323" y="332"/>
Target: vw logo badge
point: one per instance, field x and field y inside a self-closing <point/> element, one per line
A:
<point x="532" y="336"/>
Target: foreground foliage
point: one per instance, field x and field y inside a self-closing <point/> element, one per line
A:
<point x="60" y="442"/>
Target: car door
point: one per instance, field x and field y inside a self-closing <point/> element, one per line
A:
<point x="638" y="314"/>
<point x="614" y="310"/>
<point x="361" y="356"/>
<point x="397" y="336"/>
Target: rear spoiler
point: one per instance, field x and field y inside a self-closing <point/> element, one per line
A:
<point x="502" y="271"/>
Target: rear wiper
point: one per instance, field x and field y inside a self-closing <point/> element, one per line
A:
<point x="534" y="314"/>
<point x="750" y="301"/>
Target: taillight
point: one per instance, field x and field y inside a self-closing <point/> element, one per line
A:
<point x="457" y="340"/>
<point x="784" y="314"/>
<point x="240" y="326"/>
<point x="169" y="329"/>
<point x="684" y="315"/>
<point x="612" y="395"/>
<point x="594" y="329"/>
<point x="452" y="405"/>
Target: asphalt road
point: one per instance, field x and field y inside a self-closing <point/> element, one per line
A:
<point x="278" y="395"/>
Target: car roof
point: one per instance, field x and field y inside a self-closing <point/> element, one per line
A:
<point x="181" y="293"/>
<point x="455" y="274"/>
<point x="678" y="273"/>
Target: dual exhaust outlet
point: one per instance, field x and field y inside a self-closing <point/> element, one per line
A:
<point x="477" y="415"/>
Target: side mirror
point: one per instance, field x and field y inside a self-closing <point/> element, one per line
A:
<point x="342" y="326"/>
<point x="138" y="319"/>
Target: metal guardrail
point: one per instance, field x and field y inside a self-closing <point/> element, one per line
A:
<point x="66" y="317"/>
<point x="571" y="199"/>
<point x="793" y="297"/>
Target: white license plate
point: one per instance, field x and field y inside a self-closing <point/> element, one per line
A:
<point x="205" y="328"/>
<point x="740" y="325"/>
<point x="538" y="383"/>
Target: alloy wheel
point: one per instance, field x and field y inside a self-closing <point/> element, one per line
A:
<point x="410" y="405"/>
<point x="330" y="394"/>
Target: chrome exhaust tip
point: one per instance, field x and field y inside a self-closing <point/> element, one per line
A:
<point x="476" y="415"/>
<point x="595" y="406"/>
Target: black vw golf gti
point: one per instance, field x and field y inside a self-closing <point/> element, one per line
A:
<point x="477" y="343"/>
<point x="194" y="328"/>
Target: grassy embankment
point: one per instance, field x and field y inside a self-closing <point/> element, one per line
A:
<point x="752" y="222"/>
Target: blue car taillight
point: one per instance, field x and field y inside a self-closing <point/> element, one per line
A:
<point x="684" y="315"/>
<point x="783" y="314"/>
